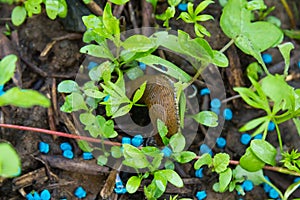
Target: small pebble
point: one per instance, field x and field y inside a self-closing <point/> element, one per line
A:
<point x="87" y="155"/>
<point x="45" y="195"/>
<point x="205" y="149"/>
<point x="267" y="58"/>
<point x="80" y="192"/>
<point x="245" y="138"/>
<point x="221" y="142"/>
<point x="142" y="66"/>
<point x="1" y="90"/>
<point x="215" y="110"/>
<point x="68" y="154"/>
<point x="126" y="140"/>
<point x="215" y="103"/>
<point x="201" y="195"/>
<point x="258" y="136"/>
<point x="120" y="190"/>
<point x="204" y="91"/>
<point x="247" y="185"/>
<point x="227" y="114"/>
<point x="65" y="146"/>
<point x="137" y="140"/>
<point x="166" y="151"/>
<point x="92" y="65"/>
<point x="44" y="147"/>
<point x="273" y="194"/>
<point x="182" y="7"/>
<point x="271" y="126"/>
<point x="199" y="173"/>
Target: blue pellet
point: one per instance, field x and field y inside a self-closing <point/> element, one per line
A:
<point x="245" y="138"/>
<point x="80" y="192"/>
<point x="36" y="196"/>
<point x="266" y="186"/>
<point x="166" y="151"/>
<point x="258" y="136"/>
<point x="119" y="183"/>
<point x="199" y="173"/>
<point x="296" y="179"/>
<point x="45" y="195"/>
<point x="92" y="64"/>
<point x="247" y="185"/>
<point x="298" y="64"/>
<point x="44" y="147"/>
<point x="204" y="91"/>
<point x="221" y="142"/>
<point x="106" y="98"/>
<point x="142" y="66"/>
<point x="29" y="196"/>
<point x="267" y="58"/>
<point x="215" y="110"/>
<point x="201" y="195"/>
<point x="87" y="155"/>
<point x="182" y="7"/>
<point x="227" y="114"/>
<point x="1" y="90"/>
<point x="273" y="194"/>
<point x="205" y="149"/>
<point x="271" y="126"/>
<point x="65" y="146"/>
<point x="68" y="154"/>
<point x="137" y="140"/>
<point x="215" y="103"/>
<point x="120" y="190"/>
<point x="126" y="140"/>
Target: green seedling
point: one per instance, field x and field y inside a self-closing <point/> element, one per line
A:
<point x="193" y="16"/>
<point x="10" y="162"/>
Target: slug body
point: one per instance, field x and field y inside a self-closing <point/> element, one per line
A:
<point x="160" y="98"/>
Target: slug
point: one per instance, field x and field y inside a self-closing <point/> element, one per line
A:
<point x="160" y="98"/>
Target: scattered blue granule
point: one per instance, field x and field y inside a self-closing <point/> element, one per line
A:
<point x="227" y="114"/>
<point x="221" y="142"/>
<point x="44" y="147"/>
<point x="68" y="154"/>
<point x="182" y="7"/>
<point x="142" y="66"/>
<point x="204" y="91"/>
<point x="166" y="151"/>
<point x="205" y="149"/>
<point x="267" y="58"/>
<point x="258" y="136"/>
<point x="65" y="146"/>
<point x="201" y="195"/>
<point x="87" y="155"/>
<point x="245" y="138"/>
<point x="126" y="140"/>
<point x="92" y="65"/>
<point x="80" y="192"/>
<point x="45" y="195"/>
<point x="1" y="90"/>
<point x="199" y="173"/>
<point x="271" y="126"/>
<point x="247" y="185"/>
<point x="137" y="140"/>
<point x="215" y="103"/>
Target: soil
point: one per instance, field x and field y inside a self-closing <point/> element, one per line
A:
<point x="44" y="72"/>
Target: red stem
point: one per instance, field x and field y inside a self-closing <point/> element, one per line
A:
<point x="60" y="134"/>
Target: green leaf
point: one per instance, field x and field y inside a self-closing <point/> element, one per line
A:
<point x="202" y="6"/>
<point x="172" y="177"/>
<point x="87" y="118"/>
<point x="102" y="160"/>
<point x="94" y="93"/>
<point x="256" y="5"/>
<point x="160" y="181"/>
<point x="291" y="189"/>
<point x="84" y="146"/>
<point x="33" y="7"/>
<point x="134" y="157"/>
<point x="224" y="179"/>
<point x="62" y="8"/>
<point x="253" y="70"/>
<point x="182" y="108"/>
<point x="177" y="142"/>
<point x="67" y="86"/>
<point x="250" y="97"/>
<point x="18" y="15"/>
<point x="74" y="102"/>
<point x="174" y="2"/>
<point x="23" y="98"/>
<point x="256" y="177"/>
<point x="285" y="50"/>
<point x="220" y="162"/>
<point x="7" y="68"/>
<point x="98" y="73"/>
<point x="264" y="151"/>
<point x="205" y="159"/>
<point x="99" y="51"/>
<point x="52" y="7"/>
<point x="206" y="118"/>
<point x="119" y="2"/>
<point x="134" y="73"/>
<point x="184" y="156"/>
<point x="116" y="151"/>
<point x="133" y="184"/>
<point x="250" y="162"/>
<point x="253" y="123"/>
<point x="162" y="130"/>
<point x="139" y="93"/>
<point x="139" y="43"/>
<point x="10" y="162"/>
<point x="110" y="22"/>
<point x="122" y="111"/>
<point x="220" y="59"/>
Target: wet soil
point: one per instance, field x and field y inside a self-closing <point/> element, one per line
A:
<point x="62" y="61"/>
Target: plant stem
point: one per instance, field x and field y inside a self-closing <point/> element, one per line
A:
<point x="289" y="12"/>
<point x="279" y="137"/>
<point x="227" y="45"/>
<point x="60" y="134"/>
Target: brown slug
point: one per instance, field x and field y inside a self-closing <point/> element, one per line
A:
<point x="160" y="98"/>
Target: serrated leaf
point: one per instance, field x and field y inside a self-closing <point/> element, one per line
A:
<point x="220" y="162"/>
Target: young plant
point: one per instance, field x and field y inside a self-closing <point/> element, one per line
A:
<point x="193" y="16"/>
<point x="10" y="162"/>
